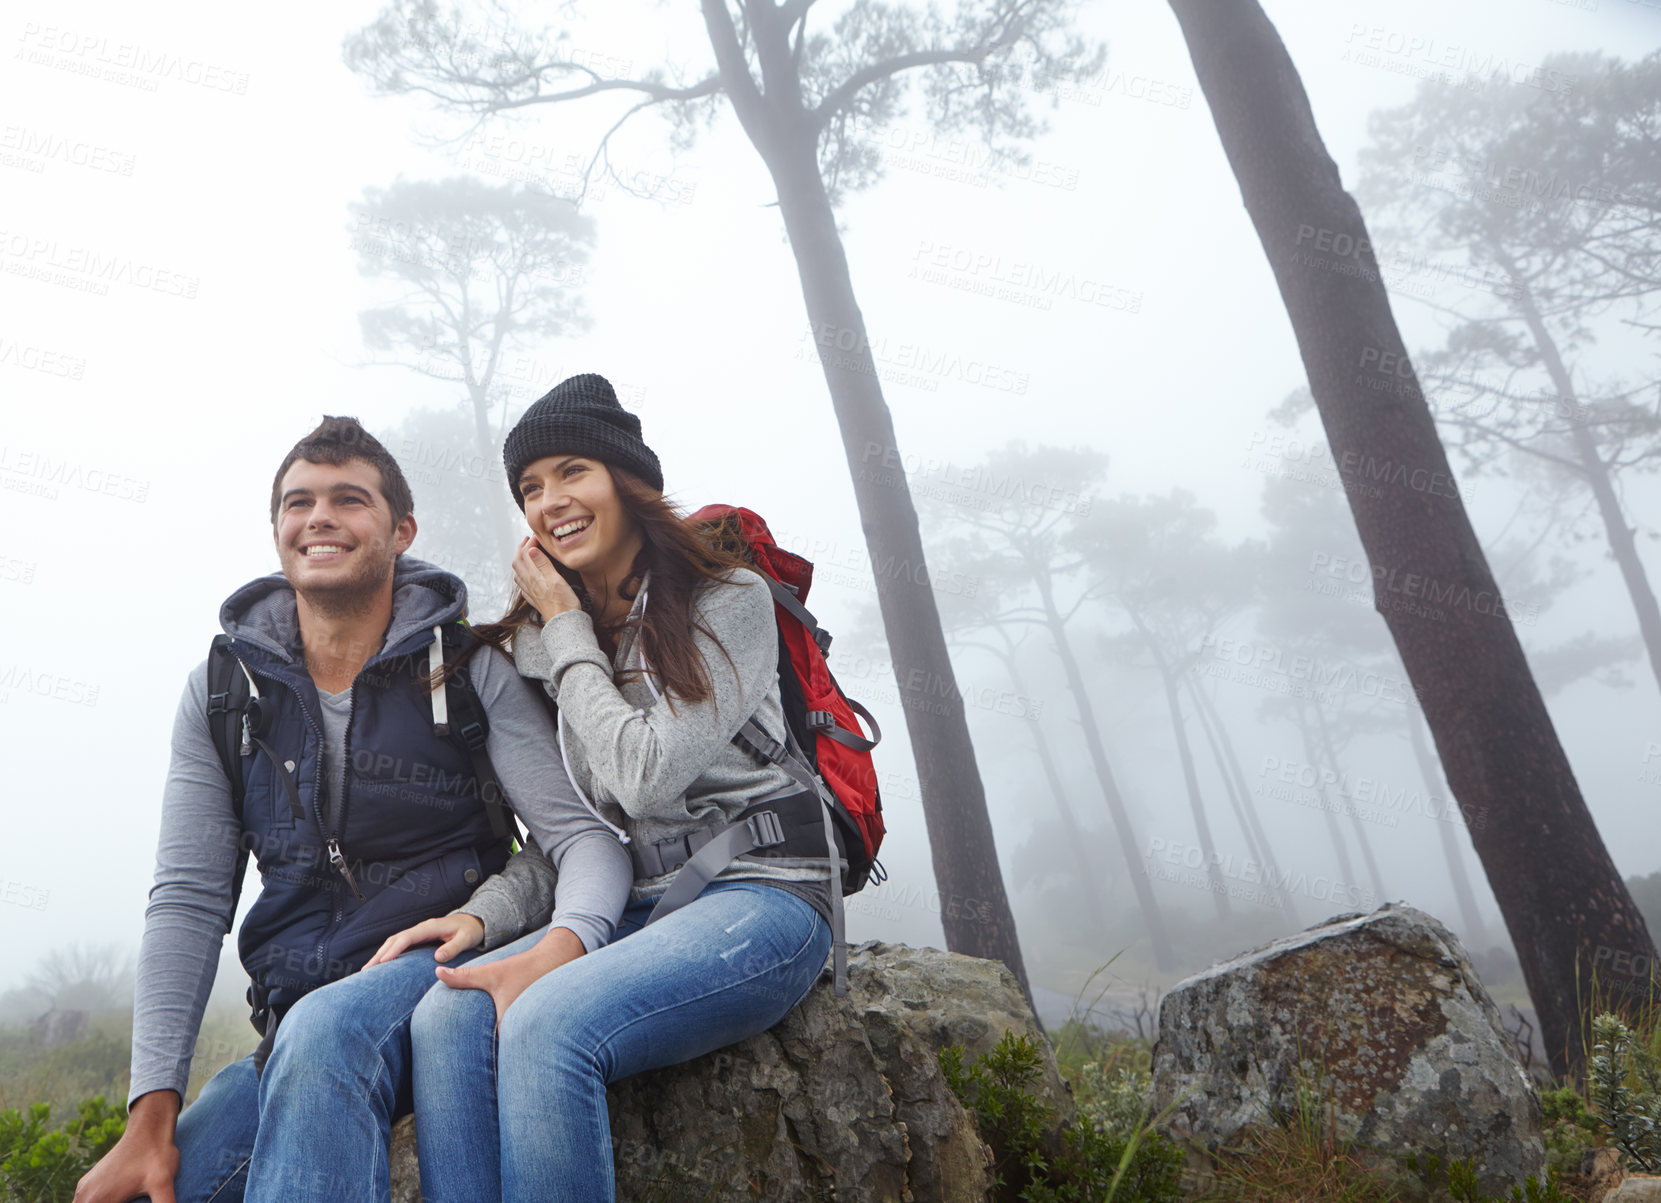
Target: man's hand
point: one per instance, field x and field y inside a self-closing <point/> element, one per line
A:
<point x="144" y="1161"/>
<point x="508" y="978"/>
<point x="457" y="932"/>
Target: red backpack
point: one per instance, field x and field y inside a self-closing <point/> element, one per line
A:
<point x="820" y="715"/>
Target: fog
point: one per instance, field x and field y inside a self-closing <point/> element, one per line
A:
<point x="1108" y="296"/>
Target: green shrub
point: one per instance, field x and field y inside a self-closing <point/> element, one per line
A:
<point x="41" y="1165"/>
<point x="1624" y="1081"/>
<point x="1459" y="1178"/>
<point x="1084" y="1164"/>
<point x="1571" y="1130"/>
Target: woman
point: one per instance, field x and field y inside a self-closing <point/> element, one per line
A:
<point x="657" y="646"/>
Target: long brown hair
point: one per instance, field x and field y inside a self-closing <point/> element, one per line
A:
<point x="680" y="556"/>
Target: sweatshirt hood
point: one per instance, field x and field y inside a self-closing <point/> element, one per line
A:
<point x="264" y="612"/>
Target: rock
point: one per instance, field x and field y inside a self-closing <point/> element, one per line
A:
<point x="1601" y="1172"/>
<point x="1385" y="1015"/>
<point x="843" y="1098"/>
<point x="1642" y="1189"/>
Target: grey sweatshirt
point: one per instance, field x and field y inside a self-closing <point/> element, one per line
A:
<point x="190" y="905"/>
<point x="655" y="772"/>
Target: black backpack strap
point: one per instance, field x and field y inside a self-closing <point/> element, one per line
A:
<point x="228" y="695"/>
<point x="471" y="723"/>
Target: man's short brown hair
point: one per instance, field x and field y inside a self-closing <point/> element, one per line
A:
<point x="337" y="440"/>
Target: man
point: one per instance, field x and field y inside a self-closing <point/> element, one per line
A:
<point x="361" y="802"/>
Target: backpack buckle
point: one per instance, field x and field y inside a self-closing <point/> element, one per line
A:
<point x="773" y="751"/>
<point x="765" y="828"/>
<point x="219" y="703"/>
<point x="472" y="735"/>
<point x="823" y="638"/>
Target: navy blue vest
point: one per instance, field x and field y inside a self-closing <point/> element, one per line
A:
<point x="409" y="823"/>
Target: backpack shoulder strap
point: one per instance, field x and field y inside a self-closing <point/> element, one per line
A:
<point x="473" y="725"/>
<point x="228" y="695"/>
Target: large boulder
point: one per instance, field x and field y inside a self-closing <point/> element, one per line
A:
<point x="1383" y="1016"/>
<point x="842" y="1099"/>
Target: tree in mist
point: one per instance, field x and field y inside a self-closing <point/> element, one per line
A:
<point x="811" y="104"/>
<point x="1017" y="552"/>
<point x="974" y="621"/>
<point x="83" y="977"/>
<point x="1157" y="562"/>
<point x="460" y="500"/>
<point x="1553" y="201"/>
<point x="1318" y="598"/>
<point x="1556" y="885"/>
<point x="483" y="275"/>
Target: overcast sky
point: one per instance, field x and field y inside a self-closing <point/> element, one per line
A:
<point x="224" y="185"/>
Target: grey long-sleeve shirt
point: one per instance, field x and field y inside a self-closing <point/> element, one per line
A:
<point x="190" y="905"/>
<point x="658" y="771"/>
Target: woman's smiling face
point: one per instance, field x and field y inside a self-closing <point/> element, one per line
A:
<point x="572" y="507"/>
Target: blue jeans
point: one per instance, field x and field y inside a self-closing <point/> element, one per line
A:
<point x="317" y="1124"/>
<point x="522" y="1115"/>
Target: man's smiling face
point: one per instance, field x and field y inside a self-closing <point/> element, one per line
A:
<point x="335" y="535"/>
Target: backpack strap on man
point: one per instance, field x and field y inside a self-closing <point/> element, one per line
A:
<point x="229" y="689"/>
<point x="473" y="725"/>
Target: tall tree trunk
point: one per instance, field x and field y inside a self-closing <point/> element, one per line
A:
<point x="1361" y="839"/>
<point x="975" y="911"/>
<point x="1312" y="757"/>
<point x="1557" y="887"/>
<point x="1089" y="874"/>
<point x="1596" y="472"/>
<point x="1219" y="730"/>
<point x="1140" y="880"/>
<point x="1190" y="779"/>
<point x="1476" y="933"/>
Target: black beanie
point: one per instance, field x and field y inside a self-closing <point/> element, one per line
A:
<point x="579" y="416"/>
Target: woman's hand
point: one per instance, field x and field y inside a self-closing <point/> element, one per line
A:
<point x="454" y="933"/>
<point x="508" y="978"/>
<point x="541" y="582"/>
